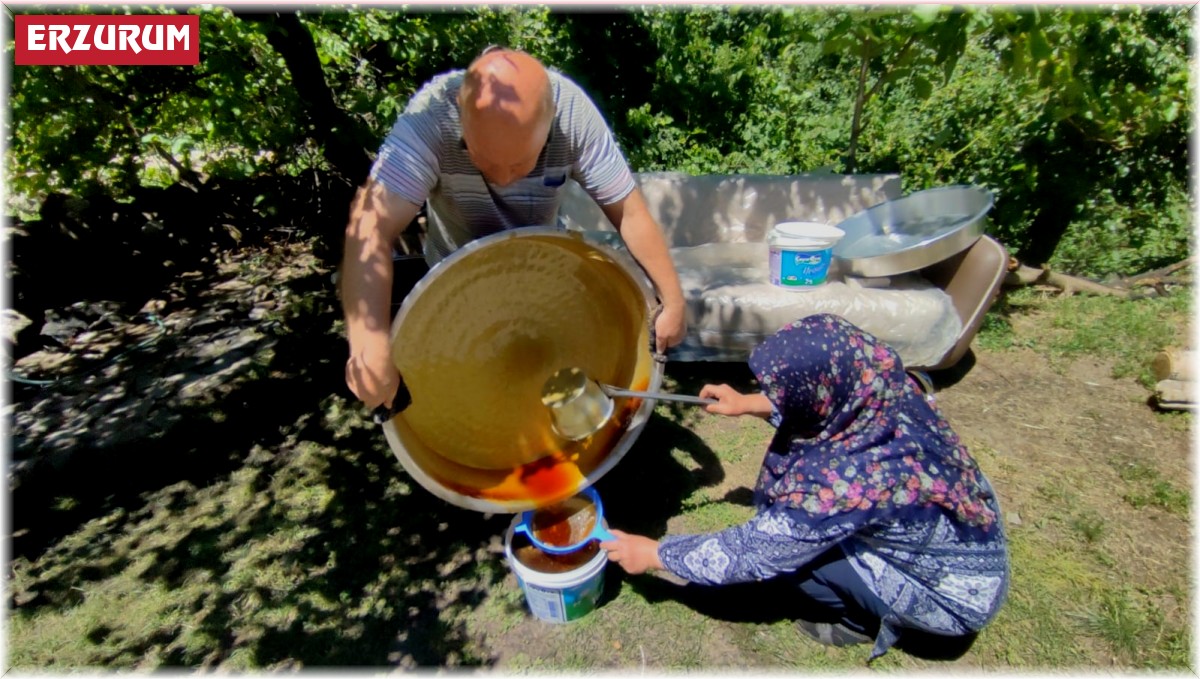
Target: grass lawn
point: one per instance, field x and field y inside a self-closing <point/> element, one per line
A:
<point x="263" y="523"/>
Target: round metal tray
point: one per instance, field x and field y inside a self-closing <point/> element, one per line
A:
<point x="476" y="339"/>
<point x="910" y="233"/>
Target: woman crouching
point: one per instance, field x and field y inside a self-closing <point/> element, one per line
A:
<point x="866" y="498"/>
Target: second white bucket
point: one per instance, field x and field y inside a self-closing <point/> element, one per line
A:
<point x="558" y="597"/>
<point x="801" y="253"/>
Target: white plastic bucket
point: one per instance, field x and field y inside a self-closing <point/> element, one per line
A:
<point x="801" y="253"/>
<point x="558" y="597"/>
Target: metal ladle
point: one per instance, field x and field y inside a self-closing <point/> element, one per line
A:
<point x="580" y="406"/>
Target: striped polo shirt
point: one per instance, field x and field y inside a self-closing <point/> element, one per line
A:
<point x="424" y="159"/>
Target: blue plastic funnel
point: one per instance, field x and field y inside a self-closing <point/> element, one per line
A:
<point x="567" y="526"/>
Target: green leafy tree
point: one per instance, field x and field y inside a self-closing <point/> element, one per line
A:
<point x="113" y="128"/>
<point x="1109" y="156"/>
<point x="1077" y="118"/>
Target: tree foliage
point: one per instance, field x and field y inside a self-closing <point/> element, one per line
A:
<point x="1077" y="118"/>
<point x="88" y="128"/>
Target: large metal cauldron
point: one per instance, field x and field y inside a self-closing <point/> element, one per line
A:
<point x="476" y="340"/>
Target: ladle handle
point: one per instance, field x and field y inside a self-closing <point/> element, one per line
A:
<point x="659" y="396"/>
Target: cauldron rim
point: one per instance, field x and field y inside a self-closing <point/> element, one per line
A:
<point x="632" y="431"/>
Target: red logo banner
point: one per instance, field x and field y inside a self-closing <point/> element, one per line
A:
<point x="118" y="40"/>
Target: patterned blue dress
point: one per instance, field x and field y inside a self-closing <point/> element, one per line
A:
<point x="864" y="463"/>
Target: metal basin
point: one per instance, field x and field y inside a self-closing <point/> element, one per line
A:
<point x="476" y="340"/>
<point x="913" y="232"/>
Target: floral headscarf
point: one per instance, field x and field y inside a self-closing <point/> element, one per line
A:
<point x="855" y="434"/>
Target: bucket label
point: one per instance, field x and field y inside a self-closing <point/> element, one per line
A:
<point x="562" y="605"/>
<point x="799" y="268"/>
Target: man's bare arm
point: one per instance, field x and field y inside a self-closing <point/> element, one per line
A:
<point x="377" y="218"/>
<point x="644" y="238"/>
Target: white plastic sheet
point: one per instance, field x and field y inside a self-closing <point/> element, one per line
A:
<point x="717" y="226"/>
<point x="732" y="307"/>
<point x="694" y="210"/>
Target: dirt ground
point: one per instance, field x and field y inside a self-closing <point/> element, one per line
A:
<point x="1060" y="443"/>
<point x="1080" y="431"/>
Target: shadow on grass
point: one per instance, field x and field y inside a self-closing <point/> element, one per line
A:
<point x="110" y="465"/>
<point x="779" y="599"/>
<point x="689" y="378"/>
<point x="754" y="602"/>
<point x="277" y="519"/>
<point x="948" y="377"/>
<point x="648" y="487"/>
<point x="289" y="536"/>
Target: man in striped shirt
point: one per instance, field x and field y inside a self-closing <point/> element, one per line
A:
<point x="488" y="148"/>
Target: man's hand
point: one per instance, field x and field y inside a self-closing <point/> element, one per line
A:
<point x="634" y="553"/>
<point x="670" y="327"/>
<point x="372" y="377"/>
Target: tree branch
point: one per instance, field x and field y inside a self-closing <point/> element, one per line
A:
<point x="859" y="102"/>
<point x="1021" y="275"/>
<point x="339" y="134"/>
<point x="886" y="75"/>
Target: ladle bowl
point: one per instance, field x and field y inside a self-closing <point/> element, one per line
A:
<point x="580" y="406"/>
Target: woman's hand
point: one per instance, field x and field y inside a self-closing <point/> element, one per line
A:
<point x="732" y="402"/>
<point x="634" y="553"/>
